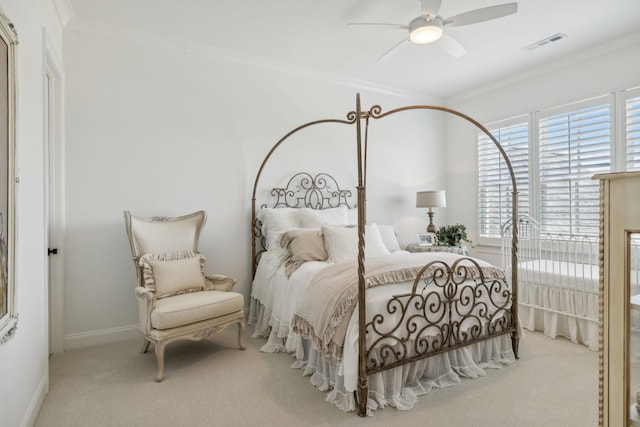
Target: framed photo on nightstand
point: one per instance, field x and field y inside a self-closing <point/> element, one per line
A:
<point x="426" y="239"/>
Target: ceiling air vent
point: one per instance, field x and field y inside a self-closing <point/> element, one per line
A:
<point x="550" y="39"/>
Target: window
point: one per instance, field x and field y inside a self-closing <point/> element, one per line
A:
<point x="573" y="146"/>
<point x="632" y="130"/>
<point x="554" y="154"/>
<point x="494" y="180"/>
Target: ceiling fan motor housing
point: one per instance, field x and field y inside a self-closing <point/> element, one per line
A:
<point x="422" y="31"/>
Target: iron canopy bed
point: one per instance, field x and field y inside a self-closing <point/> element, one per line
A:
<point x="428" y="305"/>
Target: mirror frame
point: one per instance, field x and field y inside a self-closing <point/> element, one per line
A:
<point x="8" y="180"/>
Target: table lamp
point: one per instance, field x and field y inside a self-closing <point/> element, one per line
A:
<point x="431" y="199"/>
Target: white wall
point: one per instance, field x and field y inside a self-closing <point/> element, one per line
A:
<point x="24" y="358"/>
<point x="600" y="71"/>
<point x="159" y="131"/>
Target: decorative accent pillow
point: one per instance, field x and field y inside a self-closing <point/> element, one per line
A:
<point x="342" y="242"/>
<point x="302" y="245"/>
<point x="389" y="237"/>
<point x="316" y="218"/>
<point x="173" y="273"/>
<point x="275" y="221"/>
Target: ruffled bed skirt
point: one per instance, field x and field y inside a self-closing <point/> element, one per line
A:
<point x="568" y="313"/>
<point x="398" y="387"/>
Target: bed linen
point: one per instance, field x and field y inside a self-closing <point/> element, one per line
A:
<point x="561" y="299"/>
<point x="274" y="301"/>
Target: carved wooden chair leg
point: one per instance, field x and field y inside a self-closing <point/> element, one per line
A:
<point x="160" y="359"/>
<point x="145" y="346"/>
<point x="241" y="326"/>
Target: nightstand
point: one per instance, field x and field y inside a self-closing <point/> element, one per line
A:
<point x="460" y="250"/>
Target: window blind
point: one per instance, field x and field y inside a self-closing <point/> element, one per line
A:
<point x="573" y="146"/>
<point x="632" y="132"/>
<point x="494" y="180"/>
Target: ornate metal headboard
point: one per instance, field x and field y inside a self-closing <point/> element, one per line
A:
<point x="303" y="190"/>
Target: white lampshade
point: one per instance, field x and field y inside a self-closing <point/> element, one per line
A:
<point x="431" y="199"/>
<point x="422" y="31"/>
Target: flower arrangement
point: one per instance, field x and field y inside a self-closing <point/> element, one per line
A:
<point x="452" y="235"/>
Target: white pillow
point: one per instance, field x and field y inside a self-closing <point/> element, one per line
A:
<point x="389" y="237"/>
<point x="173" y="274"/>
<point x="341" y="243"/>
<point x="316" y="218"/>
<point x="275" y="221"/>
<point x="352" y="215"/>
<point x="374" y="246"/>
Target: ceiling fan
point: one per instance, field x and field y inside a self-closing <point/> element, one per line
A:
<point x="428" y="27"/>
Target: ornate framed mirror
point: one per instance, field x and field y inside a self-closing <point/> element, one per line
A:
<point x="8" y="313"/>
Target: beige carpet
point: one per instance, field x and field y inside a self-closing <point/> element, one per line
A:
<point x="214" y="384"/>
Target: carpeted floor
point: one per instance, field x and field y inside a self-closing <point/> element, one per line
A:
<point x="212" y="383"/>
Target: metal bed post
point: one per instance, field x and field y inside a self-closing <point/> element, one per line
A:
<point x="363" y="386"/>
<point x="515" y="339"/>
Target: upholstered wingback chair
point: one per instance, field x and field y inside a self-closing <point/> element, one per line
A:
<point x="176" y="300"/>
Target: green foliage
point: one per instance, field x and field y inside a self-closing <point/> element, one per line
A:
<point x="452" y="235"/>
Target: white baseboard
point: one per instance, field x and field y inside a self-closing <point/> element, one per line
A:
<point x="36" y="403"/>
<point x="103" y="336"/>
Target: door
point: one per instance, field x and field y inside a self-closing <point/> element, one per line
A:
<point x="53" y="196"/>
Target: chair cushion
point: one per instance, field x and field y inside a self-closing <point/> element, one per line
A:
<point x="193" y="307"/>
<point x="172" y="274"/>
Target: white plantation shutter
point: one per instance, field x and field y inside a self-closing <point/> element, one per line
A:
<point x="632" y="132"/>
<point x="573" y="146"/>
<point x="494" y="180"/>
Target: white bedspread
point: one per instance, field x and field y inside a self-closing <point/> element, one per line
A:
<point x="278" y="297"/>
<point x="274" y="299"/>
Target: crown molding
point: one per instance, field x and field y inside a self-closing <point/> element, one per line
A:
<point x="64" y="10"/>
<point x="208" y="51"/>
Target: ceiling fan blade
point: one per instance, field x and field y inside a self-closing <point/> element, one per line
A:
<point x="481" y="15"/>
<point x="378" y="24"/>
<point x="430" y="8"/>
<point x="451" y="46"/>
<point x="389" y="53"/>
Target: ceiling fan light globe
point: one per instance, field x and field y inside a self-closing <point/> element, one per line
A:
<point x="422" y="31"/>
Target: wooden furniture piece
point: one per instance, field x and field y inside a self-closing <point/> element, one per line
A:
<point x="460" y="250"/>
<point x="619" y="358"/>
<point x="175" y="300"/>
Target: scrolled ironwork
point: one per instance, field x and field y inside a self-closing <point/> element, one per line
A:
<point x="375" y="111"/>
<point x="449" y="306"/>
<point x="302" y="190"/>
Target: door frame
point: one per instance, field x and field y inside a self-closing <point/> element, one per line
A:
<point x="53" y="176"/>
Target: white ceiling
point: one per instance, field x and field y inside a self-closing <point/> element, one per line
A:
<point x="312" y="35"/>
